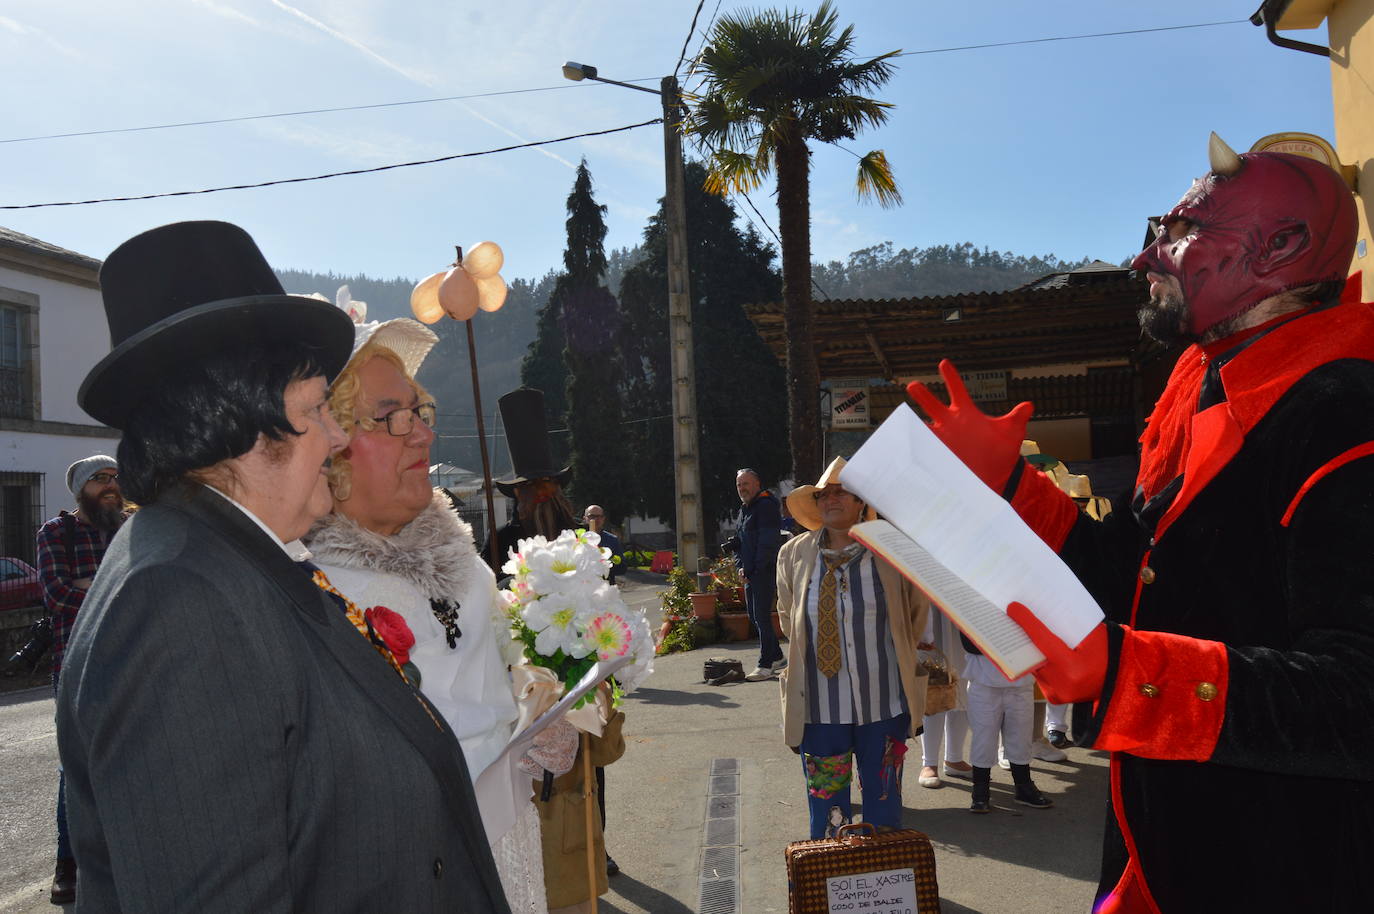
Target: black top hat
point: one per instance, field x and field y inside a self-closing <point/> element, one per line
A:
<point x="527" y="434"/>
<point x="180" y="292"/>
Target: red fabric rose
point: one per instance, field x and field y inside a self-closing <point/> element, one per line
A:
<point x="391" y="627"/>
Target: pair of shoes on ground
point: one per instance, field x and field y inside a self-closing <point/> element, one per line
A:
<point x="1058" y="739"/>
<point x="767" y="672"/>
<point x="730" y="675"/>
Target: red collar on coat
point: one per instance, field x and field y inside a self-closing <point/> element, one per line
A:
<point x="1179" y="439"/>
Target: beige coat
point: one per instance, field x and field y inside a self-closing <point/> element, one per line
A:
<point x="907" y="608"/>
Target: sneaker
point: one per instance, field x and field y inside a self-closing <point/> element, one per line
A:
<point x="981" y="807"/>
<point x="1002" y="759"/>
<point x="1058" y="739"/>
<point x="1028" y="795"/>
<point x="760" y="674"/>
<point x="778" y="665"/>
<point x="1045" y="752"/>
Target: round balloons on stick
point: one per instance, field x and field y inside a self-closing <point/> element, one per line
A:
<point x="491" y="293"/>
<point x="424" y="300"/>
<point x="458" y="294"/>
<point x="483" y="259"/>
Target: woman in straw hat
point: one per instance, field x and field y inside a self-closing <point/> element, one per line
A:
<point x="852" y="687"/>
<point x="233" y="740"/>
<point x="394" y="544"/>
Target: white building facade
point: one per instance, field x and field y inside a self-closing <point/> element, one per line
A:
<point x="52" y="331"/>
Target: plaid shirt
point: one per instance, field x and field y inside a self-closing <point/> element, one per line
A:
<point x="62" y="598"/>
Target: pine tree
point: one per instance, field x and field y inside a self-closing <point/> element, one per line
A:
<point x="589" y="319"/>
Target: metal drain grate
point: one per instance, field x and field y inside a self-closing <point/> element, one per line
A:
<point x="719" y="886"/>
<point x="722" y="832"/>
<point x="724" y="785"/>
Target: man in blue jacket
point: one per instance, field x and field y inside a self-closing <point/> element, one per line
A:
<point x="760" y="535"/>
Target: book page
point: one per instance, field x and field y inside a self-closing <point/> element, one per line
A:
<point x="1001" y="640"/>
<point x="927" y="493"/>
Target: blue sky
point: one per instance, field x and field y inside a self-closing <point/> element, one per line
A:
<point x="1060" y="147"/>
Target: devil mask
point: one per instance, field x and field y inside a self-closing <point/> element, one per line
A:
<point x="1259" y="224"/>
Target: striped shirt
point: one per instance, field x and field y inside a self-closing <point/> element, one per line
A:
<point x="868" y="687"/>
<point x="56" y="574"/>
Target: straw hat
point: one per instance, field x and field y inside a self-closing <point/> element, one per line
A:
<point x="801" y="501"/>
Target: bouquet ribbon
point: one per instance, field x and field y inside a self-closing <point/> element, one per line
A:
<point x="537" y="690"/>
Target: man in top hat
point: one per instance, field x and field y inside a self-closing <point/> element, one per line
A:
<point x="70" y="548"/>
<point x="233" y="738"/>
<point x="535" y="483"/>
<point x="1234" y="679"/>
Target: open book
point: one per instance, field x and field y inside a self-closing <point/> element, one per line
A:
<point x="963" y="544"/>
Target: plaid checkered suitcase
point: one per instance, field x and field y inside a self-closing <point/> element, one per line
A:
<point x="861" y="870"/>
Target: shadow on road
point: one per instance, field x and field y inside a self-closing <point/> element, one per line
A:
<point x="24" y="696"/>
<point x="679" y="699"/>
<point x="646" y="897"/>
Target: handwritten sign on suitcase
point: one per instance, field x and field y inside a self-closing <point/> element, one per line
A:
<point x="881" y="892"/>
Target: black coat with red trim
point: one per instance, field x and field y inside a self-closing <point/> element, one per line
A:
<point x="1239" y="699"/>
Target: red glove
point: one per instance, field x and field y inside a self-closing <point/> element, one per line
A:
<point x="1068" y="674"/>
<point x="988" y="446"/>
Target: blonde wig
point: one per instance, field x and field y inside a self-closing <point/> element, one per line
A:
<point x="344" y="403"/>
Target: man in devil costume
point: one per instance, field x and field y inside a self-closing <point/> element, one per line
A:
<point x="1234" y="676"/>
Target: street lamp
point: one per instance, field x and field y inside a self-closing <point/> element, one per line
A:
<point x="686" y="441"/>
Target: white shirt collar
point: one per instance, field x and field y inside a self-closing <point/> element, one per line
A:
<point x="295" y="550"/>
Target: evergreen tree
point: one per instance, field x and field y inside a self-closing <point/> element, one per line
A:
<point x="741" y="397"/>
<point x="590" y="320"/>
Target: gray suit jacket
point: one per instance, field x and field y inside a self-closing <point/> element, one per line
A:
<point x="231" y="743"/>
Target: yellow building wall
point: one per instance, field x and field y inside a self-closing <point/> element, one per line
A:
<point x="1350" y="30"/>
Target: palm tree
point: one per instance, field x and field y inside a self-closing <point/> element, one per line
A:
<point x="772" y="81"/>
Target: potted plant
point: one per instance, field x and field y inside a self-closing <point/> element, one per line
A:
<point x="678" y="631"/>
<point x="727" y="582"/>
<point x="734" y="624"/>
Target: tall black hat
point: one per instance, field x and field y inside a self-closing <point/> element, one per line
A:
<point x="178" y="293"/>
<point x="527" y="434"/>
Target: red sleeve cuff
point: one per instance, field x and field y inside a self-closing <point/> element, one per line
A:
<point x="1168" y="699"/>
<point x="1044" y="507"/>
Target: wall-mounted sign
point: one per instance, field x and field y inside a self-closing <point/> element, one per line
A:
<point x="849" y="404"/>
<point x="1310" y="146"/>
<point x="985" y="386"/>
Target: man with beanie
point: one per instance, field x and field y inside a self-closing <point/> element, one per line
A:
<point x="70" y="548"/>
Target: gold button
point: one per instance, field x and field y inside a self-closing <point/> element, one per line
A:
<point x="1206" y="691"/>
<point x="1149" y="691"/>
<point x="1147" y="574"/>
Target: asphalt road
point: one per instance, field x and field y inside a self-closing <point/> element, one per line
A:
<point x="1014" y="860"/>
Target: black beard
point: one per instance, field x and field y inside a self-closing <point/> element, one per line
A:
<point x="1165" y="319"/>
<point x="101" y="515"/>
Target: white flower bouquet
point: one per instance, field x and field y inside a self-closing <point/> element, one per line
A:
<point x="568" y="617"/>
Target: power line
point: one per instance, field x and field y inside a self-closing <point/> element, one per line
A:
<point x="263" y="117"/>
<point x="339" y="174"/>
<point x="691" y="30"/>
<point x="705" y="36"/>
<point x="1007" y="44"/>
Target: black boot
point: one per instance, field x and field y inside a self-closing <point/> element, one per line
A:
<point x="63" y="882"/>
<point x="982" y="790"/>
<point x="1027" y="794"/>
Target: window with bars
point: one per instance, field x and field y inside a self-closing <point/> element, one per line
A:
<point x="16" y="368"/>
<point x="21" y="514"/>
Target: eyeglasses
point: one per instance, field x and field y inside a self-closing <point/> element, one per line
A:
<point x="104" y="478"/>
<point x="401" y="422"/>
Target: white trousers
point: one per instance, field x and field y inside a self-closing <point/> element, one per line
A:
<point x="1056" y="717"/>
<point x="1008" y="711"/>
<point x="946" y="730"/>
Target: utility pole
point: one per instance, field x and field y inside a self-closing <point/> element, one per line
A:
<point x="686" y="439"/>
<point x="682" y="364"/>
